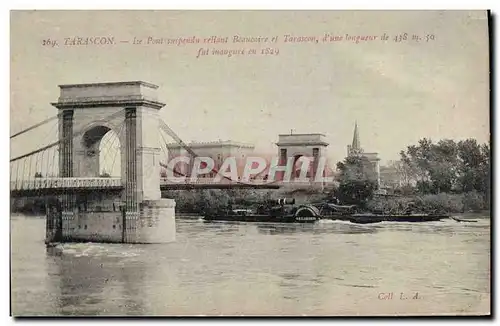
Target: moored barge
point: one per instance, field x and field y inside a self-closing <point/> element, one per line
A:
<point x="285" y="211"/>
<point x="351" y="214"/>
<point x="280" y="211"/>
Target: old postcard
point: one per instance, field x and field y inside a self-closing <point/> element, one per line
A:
<point x="250" y="163"/>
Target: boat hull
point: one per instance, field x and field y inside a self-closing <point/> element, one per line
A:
<point x="374" y="218"/>
<point x="261" y="218"/>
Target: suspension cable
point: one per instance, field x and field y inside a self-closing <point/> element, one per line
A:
<point x="107" y="145"/>
<point x="116" y="152"/>
<point x="65" y="138"/>
<point x="172" y="134"/>
<point x="52" y="166"/>
<point x="34" y="126"/>
<point x="167" y="167"/>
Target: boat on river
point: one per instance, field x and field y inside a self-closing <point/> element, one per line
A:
<point x="350" y="213"/>
<point x="279" y="211"/>
<point x="285" y="211"/>
<point x="377" y="218"/>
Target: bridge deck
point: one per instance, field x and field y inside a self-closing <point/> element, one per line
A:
<point x="85" y="184"/>
<point x="66" y="183"/>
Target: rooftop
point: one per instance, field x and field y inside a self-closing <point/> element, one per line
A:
<point x="122" y="83"/>
<point x="133" y="93"/>
<point x="310" y="134"/>
<point x="302" y="139"/>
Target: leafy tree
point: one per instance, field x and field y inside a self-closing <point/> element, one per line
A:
<point x="416" y="159"/>
<point x="210" y="200"/>
<point x="471" y="161"/>
<point x="357" y="180"/>
<point x="485" y="170"/>
<point x="405" y="173"/>
<point x="449" y="166"/>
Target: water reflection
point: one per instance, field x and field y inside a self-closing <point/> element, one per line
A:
<point x="334" y="227"/>
<point x="254" y="268"/>
<point x="222" y="227"/>
<point x="447" y="226"/>
<point x="88" y="275"/>
<point x="317" y="229"/>
<point x="321" y="227"/>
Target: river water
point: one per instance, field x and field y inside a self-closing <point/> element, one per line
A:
<point x="334" y="268"/>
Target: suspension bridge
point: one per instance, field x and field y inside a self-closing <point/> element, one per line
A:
<point x="63" y="155"/>
<point x="72" y="160"/>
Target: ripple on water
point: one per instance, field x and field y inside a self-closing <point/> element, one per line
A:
<point x="252" y="268"/>
<point x="90" y="249"/>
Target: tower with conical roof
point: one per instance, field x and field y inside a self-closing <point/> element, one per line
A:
<point x="355" y="147"/>
<point x="355" y="138"/>
<point x="355" y="150"/>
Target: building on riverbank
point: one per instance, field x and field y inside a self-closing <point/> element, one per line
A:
<point x="372" y="158"/>
<point x="216" y="150"/>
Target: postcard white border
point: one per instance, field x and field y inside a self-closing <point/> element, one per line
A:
<point x="186" y="4"/>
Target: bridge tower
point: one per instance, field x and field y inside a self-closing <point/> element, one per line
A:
<point x="130" y="110"/>
<point x="312" y="146"/>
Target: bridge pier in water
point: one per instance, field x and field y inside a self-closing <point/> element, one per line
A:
<point x="135" y="212"/>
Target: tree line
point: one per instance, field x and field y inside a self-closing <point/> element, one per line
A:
<point x="426" y="168"/>
<point x="446" y="166"/>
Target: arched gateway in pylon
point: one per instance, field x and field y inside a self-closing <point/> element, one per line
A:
<point x="295" y="146"/>
<point x="130" y="110"/>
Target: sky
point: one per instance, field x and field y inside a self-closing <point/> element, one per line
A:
<point x="398" y="92"/>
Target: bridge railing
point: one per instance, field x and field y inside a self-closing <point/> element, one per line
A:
<point x="96" y="183"/>
<point x="65" y="183"/>
<point x="211" y="181"/>
<point x="187" y="180"/>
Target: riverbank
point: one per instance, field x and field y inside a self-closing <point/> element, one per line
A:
<point x="210" y="262"/>
<point x="194" y="202"/>
<point x="470" y="202"/>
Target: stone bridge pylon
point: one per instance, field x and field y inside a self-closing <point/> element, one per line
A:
<point x="135" y="212"/>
